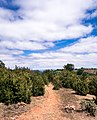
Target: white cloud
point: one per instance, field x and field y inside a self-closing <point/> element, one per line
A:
<point x="94" y="14"/>
<point x="51" y="60"/>
<point x="85" y="45"/>
<point x="44" y="22"/>
<point x="10" y="52"/>
<point x="25" y="45"/>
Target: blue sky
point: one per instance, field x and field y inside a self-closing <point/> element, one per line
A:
<point x="47" y="34"/>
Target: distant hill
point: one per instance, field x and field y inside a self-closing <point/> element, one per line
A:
<point x="90" y="71"/>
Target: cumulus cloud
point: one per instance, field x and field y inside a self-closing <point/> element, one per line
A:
<point x="81" y="54"/>
<point x="25" y="45"/>
<point x="94" y="14"/>
<point x="45" y="20"/>
<point x="10" y="52"/>
<point x="84" y="45"/>
<point x="38" y="24"/>
<point x="52" y="61"/>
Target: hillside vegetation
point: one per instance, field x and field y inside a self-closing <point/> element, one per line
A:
<point x="20" y="83"/>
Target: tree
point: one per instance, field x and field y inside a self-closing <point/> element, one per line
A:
<point x="80" y="71"/>
<point x="69" y="67"/>
<point x="2" y="65"/>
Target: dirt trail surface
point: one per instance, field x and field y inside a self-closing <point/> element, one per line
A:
<point x="49" y="109"/>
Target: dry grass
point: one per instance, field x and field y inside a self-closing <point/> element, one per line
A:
<point x="68" y="96"/>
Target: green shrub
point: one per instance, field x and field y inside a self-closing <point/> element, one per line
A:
<point x="93" y="87"/>
<point x="57" y="82"/>
<point x="49" y="74"/>
<point x="45" y="79"/>
<point x="38" y="87"/>
<point x="82" y="88"/>
<point x="69" y="79"/>
<point x="89" y="106"/>
<point x="80" y="71"/>
<point x="66" y="78"/>
<point x="14" y="90"/>
<point x="69" y="67"/>
<point x="56" y="87"/>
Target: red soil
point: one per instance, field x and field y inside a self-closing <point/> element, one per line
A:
<point x="47" y="110"/>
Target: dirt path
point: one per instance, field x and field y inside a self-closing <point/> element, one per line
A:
<point x="49" y="109"/>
